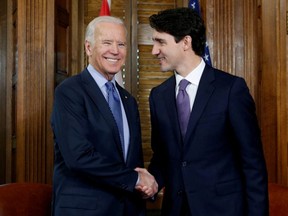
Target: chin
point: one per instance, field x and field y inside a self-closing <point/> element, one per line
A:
<point x="165" y="69"/>
<point x="114" y="72"/>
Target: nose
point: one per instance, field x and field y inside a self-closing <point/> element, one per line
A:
<point x="114" y="48"/>
<point x="155" y="50"/>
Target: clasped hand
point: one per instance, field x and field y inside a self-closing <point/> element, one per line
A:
<point x="146" y="184"/>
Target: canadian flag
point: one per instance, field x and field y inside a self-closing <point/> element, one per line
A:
<point x="105" y="11"/>
<point x="105" y="8"/>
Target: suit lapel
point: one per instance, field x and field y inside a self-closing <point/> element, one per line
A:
<point x="124" y="98"/>
<point x="100" y="102"/>
<point x="169" y="98"/>
<point x="203" y="94"/>
<point x="127" y="108"/>
<point x="170" y="104"/>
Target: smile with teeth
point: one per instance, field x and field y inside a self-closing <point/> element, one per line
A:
<point x="111" y="60"/>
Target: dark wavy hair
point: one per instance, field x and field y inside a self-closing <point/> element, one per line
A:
<point x="180" y="22"/>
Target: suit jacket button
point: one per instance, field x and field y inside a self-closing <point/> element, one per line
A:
<point x="179" y="193"/>
<point x="184" y="164"/>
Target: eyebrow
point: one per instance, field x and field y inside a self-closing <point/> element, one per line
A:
<point x="158" y="40"/>
<point x="106" y="40"/>
<point x="110" y="40"/>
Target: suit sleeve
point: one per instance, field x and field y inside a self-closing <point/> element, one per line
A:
<point x="71" y="131"/>
<point x="245" y="126"/>
<point x="156" y="167"/>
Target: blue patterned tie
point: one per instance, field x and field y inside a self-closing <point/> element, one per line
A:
<point x="115" y="106"/>
<point x="183" y="106"/>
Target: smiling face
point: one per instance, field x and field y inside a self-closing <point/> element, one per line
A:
<point x="169" y="53"/>
<point x="108" y="52"/>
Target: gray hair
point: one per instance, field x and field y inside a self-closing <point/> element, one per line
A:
<point x="90" y="30"/>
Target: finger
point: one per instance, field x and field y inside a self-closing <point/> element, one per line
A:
<point x="138" y="187"/>
<point x="137" y="169"/>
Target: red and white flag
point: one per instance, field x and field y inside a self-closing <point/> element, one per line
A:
<point x="105" y="11"/>
<point x="105" y="8"/>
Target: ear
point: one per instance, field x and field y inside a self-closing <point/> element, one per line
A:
<point x="88" y="48"/>
<point x="187" y="41"/>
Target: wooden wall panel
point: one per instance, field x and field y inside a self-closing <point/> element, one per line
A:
<point x="62" y="40"/>
<point x="69" y="38"/>
<point x="34" y="90"/>
<point x="273" y="89"/>
<point x="35" y="80"/>
<point x="282" y="99"/>
<point x="268" y="85"/>
<point x="5" y="91"/>
<point x="77" y="36"/>
<point x="49" y="69"/>
<point x="283" y="43"/>
<point x="232" y="37"/>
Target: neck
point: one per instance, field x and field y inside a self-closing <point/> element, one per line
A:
<point x="189" y="66"/>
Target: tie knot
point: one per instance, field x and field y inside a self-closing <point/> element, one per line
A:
<point x="109" y="85"/>
<point x="183" y="84"/>
<point x="111" y="91"/>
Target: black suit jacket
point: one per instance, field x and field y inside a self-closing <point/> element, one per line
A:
<point x="219" y="166"/>
<point x="90" y="175"/>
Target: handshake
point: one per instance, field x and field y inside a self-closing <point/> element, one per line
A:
<point x="146" y="183"/>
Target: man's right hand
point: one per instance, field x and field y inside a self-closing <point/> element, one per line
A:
<point x="146" y="184"/>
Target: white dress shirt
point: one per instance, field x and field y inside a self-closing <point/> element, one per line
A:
<point x="194" y="78"/>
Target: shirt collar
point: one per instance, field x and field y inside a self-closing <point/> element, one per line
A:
<point x="98" y="77"/>
<point x="194" y="76"/>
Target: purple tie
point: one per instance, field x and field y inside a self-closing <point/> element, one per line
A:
<point x="183" y="106"/>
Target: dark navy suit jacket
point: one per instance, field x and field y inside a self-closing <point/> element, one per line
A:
<point x="90" y="175"/>
<point x="219" y="166"/>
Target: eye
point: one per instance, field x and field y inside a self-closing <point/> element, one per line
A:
<point x="107" y="43"/>
<point x="159" y="42"/>
<point x="162" y="43"/>
<point x="122" y="45"/>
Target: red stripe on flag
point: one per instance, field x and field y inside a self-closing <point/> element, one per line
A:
<point x="105" y="10"/>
